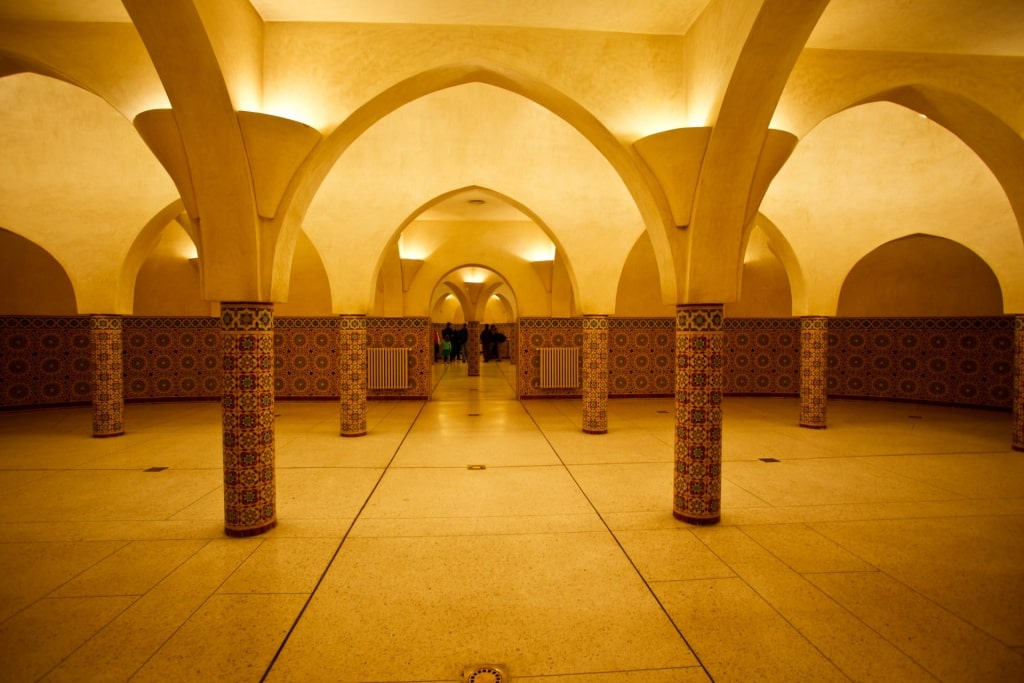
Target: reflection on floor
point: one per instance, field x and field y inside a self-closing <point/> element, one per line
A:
<point x="474" y="529"/>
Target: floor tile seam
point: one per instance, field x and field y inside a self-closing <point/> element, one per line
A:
<point x="876" y="570"/>
<point x="627" y="557"/>
<point x="200" y="604"/>
<point x="340" y="545"/>
<point x="489" y="534"/>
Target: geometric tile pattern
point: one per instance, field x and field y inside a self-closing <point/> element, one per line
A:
<point x="247" y="352"/>
<point x="698" y="439"/>
<point x="473" y="349"/>
<point x="167" y="359"/>
<point x="413" y="334"/>
<point x="352" y="374"/>
<point x="45" y="360"/>
<point x="961" y="361"/>
<point x="813" y="371"/>
<point x="762" y="356"/>
<point x="538" y="333"/>
<point x="642" y="353"/>
<point x="594" y="379"/>
<point x="305" y="352"/>
<point x="1018" y="383"/>
<point x="108" y="382"/>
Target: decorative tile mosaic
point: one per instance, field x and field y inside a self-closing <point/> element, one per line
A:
<point x="247" y="348"/>
<point x="537" y="333"/>
<point x="594" y="382"/>
<point x="108" y="378"/>
<point x="642" y="354"/>
<point x="1018" y="383"/>
<point x="762" y="356"/>
<point x="305" y="358"/>
<point x="414" y="334"/>
<point x="698" y="439"/>
<point x="45" y="360"/>
<point x="171" y="359"/>
<point x="352" y="374"/>
<point x="813" y="372"/>
<point x="964" y="361"/>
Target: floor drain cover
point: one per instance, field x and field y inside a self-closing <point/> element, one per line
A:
<point x="768" y="459"/>
<point x="155" y="469"/>
<point x="491" y="673"/>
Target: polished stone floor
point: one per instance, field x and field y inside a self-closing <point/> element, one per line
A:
<point x="476" y="530"/>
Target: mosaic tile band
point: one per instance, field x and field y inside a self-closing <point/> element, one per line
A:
<point x="1018" y="383"/>
<point x="473" y="349"/>
<point x="108" y="383"/>
<point x="595" y="374"/>
<point x="813" y="372"/>
<point x="698" y="440"/>
<point x="247" y="354"/>
<point x="352" y="374"/>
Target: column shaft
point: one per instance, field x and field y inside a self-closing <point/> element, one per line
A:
<point x="813" y="371"/>
<point x="352" y="374"/>
<point x="108" y="377"/>
<point x="1018" y="383"/>
<point x="595" y="374"/>
<point x="698" y="441"/>
<point x="473" y="349"/>
<point x="247" y="351"/>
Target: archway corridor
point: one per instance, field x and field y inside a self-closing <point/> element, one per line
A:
<point x="476" y="529"/>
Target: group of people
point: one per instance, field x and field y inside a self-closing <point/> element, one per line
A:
<point x="450" y="343"/>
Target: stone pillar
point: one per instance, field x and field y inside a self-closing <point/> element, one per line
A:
<point x="698" y="442"/>
<point x="352" y="374"/>
<point x="813" y="371"/>
<point x="107" y="376"/>
<point x="1018" y="383"/>
<point x="595" y="374"/>
<point x="473" y="348"/>
<point x="247" y="351"/>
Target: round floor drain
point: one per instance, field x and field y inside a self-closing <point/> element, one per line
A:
<point x="485" y="674"/>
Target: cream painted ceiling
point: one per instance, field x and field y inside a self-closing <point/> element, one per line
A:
<point x="986" y="27"/>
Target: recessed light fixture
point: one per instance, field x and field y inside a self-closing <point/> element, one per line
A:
<point x="476" y="202"/>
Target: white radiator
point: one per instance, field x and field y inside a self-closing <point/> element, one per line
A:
<point x="559" y="367"/>
<point x="387" y="368"/>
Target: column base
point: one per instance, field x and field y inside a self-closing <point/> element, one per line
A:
<point x="807" y="426"/>
<point x="700" y="521"/>
<point x="104" y="436"/>
<point x="362" y="433"/>
<point x="594" y="431"/>
<point x="1017" y="448"/>
<point x="255" y="531"/>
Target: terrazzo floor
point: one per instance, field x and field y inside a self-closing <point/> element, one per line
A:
<point x="474" y="529"/>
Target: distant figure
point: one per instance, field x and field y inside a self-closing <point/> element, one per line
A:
<point x="463" y="336"/>
<point x="485" y="342"/>
<point x="497" y="339"/>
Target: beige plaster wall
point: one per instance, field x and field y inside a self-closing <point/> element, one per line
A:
<point x="920" y="275"/>
<point x="31" y="281"/>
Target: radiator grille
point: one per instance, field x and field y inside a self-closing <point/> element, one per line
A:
<point x="559" y="367"/>
<point x="387" y="368"/>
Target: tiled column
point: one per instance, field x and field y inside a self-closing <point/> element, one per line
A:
<point x="473" y="348"/>
<point x="107" y="374"/>
<point x="247" y="348"/>
<point x="595" y="374"/>
<point x="352" y="374"/>
<point x="813" y="371"/>
<point x="1018" y="382"/>
<point x="698" y="441"/>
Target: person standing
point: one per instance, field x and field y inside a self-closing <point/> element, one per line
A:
<point x="485" y="342"/>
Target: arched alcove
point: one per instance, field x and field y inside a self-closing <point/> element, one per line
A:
<point x="32" y="282"/>
<point x="920" y="275"/>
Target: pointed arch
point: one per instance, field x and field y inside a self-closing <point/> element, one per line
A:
<point x="651" y="205"/>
